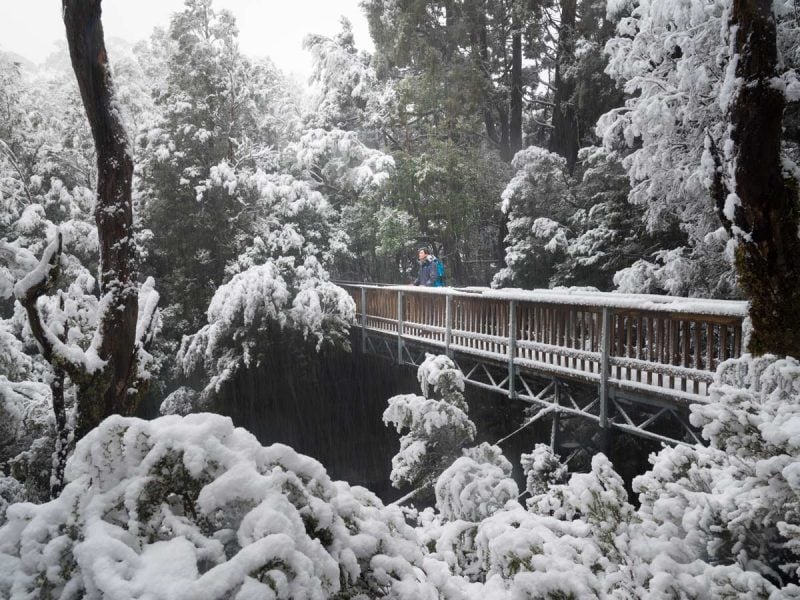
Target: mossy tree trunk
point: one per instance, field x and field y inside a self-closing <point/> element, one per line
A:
<point x="760" y="208"/>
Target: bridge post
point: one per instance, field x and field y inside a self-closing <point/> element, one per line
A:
<point x="448" y="324"/>
<point x="512" y="349"/>
<point x="605" y="350"/>
<point x="363" y="319"/>
<point x="400" y="327"/>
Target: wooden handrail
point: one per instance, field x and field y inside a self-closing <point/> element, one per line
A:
<point x="656" y="344"/>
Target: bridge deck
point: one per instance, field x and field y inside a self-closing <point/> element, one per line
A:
<point x="653" y="346"/>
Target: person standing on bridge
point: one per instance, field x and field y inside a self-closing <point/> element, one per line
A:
<point x="430" y="272"/>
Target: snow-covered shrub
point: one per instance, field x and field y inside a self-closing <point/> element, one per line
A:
<point x="598" y="499"/>
<point x="437" y="428"/>
<point x="11" y="491"/>
<point x="736" y="503"/>
<point x="27" y="437"/>
<point x="476" y="485"/>
<point x="438" y="374"/>
<point x="181" y="402"/>
<point x="193" y="508"/>
<point x="260" y="303"/>
<point x="525" y="555"/>
<point x="542" y="470"/>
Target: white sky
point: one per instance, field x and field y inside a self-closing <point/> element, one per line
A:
<point x="273" y="28"/>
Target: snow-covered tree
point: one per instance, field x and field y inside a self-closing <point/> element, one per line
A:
<point x="345" y="91"/>
<point x="111" y="373"/>
<point x="670" y="57"/>
<point x="55" y="335"/>
<point x="476" y="485"/>
<point x="567" y="229"/>
<point x="437" y="424"/>
<point x="278" y="298"/>
<point x="214" y="111"/>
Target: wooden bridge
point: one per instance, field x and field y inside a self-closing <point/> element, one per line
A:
<point x="643" y="358"/>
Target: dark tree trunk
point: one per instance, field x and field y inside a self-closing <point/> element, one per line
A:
<point x="765" y="221"/>
<point x="113" y="214"/>
<point x="515" y="126"/>
<point x="482" y="42"/>
<point x="62" y="433"/>
<point x="564" y="138"/>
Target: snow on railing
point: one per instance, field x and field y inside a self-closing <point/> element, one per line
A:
<point x="652" y="344"/>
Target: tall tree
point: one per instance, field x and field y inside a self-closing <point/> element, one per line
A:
<point x="214" y="110"/>
<point x="564" y="137"/>
<point x="757" y="195"/>
<point x="107" y="374"/>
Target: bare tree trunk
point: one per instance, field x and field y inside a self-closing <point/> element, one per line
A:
<point x="113" y="214"/>
<point x="564" y="140"/>
<point x="761" y="208"/>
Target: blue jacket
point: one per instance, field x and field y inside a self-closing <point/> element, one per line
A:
<point x="428" y="273"/>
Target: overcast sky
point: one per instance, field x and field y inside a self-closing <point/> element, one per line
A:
<point x="273" y="28"/>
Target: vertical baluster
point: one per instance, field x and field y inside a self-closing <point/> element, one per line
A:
<point x="698" y="352"/>
<point x="604" y="364"/>
<point x="639" y="342"/>
<point x="363" y="319"/>
<point x="659" y="356"/>
<point x="512" y="349"/>
<point x="723" y="342"/>
<point x="529" y="312"/>
<point x="582" y="337"/>
<point x="629" y="338"/>
<point x="686" y="362"/>
<point x="620" y="350"/>
<point x="400" y="328"/>
<point x="475" y="322"/>
<point x="710" y="366"/>
<point x="673" y="342"/>
<point x="448" y="323"/>
<point x="571" y="363"/>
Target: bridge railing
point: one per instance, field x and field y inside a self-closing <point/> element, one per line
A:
<point x="654" y="344"/>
